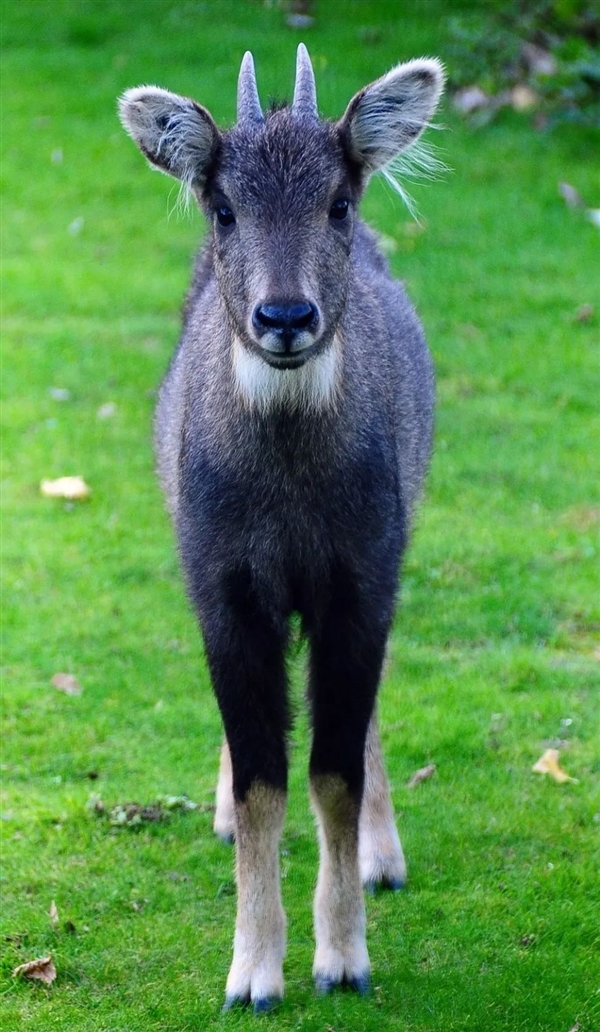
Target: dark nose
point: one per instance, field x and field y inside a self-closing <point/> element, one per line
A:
<point x="285" y="319"/>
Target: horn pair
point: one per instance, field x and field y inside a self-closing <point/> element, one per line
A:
<point x="249" y="110"/>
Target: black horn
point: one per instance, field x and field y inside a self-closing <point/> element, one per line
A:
<point x="305" y="91"/>
<point x="248" y="104"/>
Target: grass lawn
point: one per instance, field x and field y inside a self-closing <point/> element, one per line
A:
<point x="493" y="655"/>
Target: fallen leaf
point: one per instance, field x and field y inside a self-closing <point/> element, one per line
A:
<point x="538" y="60"/>
<point x="570" y="195"/>
<point x="74" y="488"/>
<point x="422" y="775"/>
<point x="523" y="98"/>
<point x="53" y="913"/>
<point x="471" y="98"/>
<point x="299" y="21"/>
<point x="66" y="683"/>
<point x="42" y="968"/>
<point x="584" y="313"/>
<point x="548" y="764"/>
<point x="76" y="225"/>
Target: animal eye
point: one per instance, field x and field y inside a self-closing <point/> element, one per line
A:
<point x="225" y="216"/>
<point x="339" y="209"/>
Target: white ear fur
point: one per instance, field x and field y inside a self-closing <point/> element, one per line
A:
<point x="177" y="135"/>
<point x="390" y="114"/>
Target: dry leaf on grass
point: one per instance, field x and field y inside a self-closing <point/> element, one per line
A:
<point x="73" y="488"/>
<point x="523" y="98"/>
<point x="570" y="195"/>
<point x="42" y="968"/>
<point x="548" y="764"/>
<point x="66" y="683"/>
<point x="584" y="313"/>
<point x="422" y="775"/>
<point x="469" y="99"/>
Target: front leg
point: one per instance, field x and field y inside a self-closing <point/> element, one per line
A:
<point x="256" y="971"/>
<point x="341" y="955"/>
<point x="245" y="645"/>
<point x="347" y="653"/>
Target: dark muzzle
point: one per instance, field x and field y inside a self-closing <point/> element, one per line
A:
<point x="286" y="320"/>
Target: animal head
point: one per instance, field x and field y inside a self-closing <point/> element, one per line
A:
<point x="280" y="191"/>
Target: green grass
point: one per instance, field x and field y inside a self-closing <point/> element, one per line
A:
<point x="493" y="651"/>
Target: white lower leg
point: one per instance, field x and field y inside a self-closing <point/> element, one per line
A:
<point x="224" y="822"/>
<point x="380" y="853"/>
<point x="259" y="945"/>
<point x="339" y="912"/>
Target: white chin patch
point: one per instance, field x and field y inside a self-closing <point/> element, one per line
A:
<point x="312" y="385"/>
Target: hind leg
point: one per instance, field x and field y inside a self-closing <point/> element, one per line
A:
<point x="224" y="822"/>
<point x="380" y="853"/>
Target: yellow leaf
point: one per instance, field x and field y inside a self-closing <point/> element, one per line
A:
<point x="41" y="968"/>
<point x="548" y="764"/>
<point x="423" y="774"/>
<point x="66" y="683"/>
<point x="73" y="488"/>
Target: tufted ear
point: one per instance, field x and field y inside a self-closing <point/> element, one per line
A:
<point x="389" y="115"/>
<point x="177" y="135"/>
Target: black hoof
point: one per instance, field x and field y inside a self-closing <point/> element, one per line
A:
<point x="234" y="1001"/>
<point x="266" y="1003"/>
<point x="359" y="984"/>
<point x="324" y="984"/>
<point x="394" y="884"/>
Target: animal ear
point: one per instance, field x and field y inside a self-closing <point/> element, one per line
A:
<point x="390" y="114"/>
<point x="177" y="135"/>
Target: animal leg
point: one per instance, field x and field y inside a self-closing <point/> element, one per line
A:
<point x="341" y="955"/>
<point x="346" y="659"/>
<point x="224" y="822"/>
<point x="245" y="646"/>
<point x="256" y="971"/>
<point x="380" y="853"/>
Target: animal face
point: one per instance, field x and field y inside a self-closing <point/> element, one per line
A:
<point x="281" y="201"/>
<point x="280" y="193"/>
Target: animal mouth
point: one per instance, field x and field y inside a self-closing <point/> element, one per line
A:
<point x="286" y="361"/>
